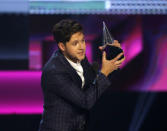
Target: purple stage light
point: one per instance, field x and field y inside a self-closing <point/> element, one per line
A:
<point x="159" y="77"/>
<point x="35" y="55"/>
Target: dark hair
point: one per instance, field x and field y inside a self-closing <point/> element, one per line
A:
<point x="63" y="30"/>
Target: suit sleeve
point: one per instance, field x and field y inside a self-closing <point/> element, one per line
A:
<point x="62" y="85"/>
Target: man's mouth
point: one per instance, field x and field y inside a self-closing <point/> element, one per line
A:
<point x="81" y="53"/>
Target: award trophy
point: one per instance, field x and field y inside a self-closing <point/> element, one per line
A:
<point x="111" y="50"/>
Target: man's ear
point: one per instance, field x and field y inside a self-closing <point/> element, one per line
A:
<point x="61" y="46"/>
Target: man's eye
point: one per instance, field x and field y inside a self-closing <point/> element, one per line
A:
<point x="83" y="41"/>
<point x="75" y="43"/>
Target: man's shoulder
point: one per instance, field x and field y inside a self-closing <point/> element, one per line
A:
<point x="54" y="63"/>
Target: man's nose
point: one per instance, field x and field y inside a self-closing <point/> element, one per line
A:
<point x="81" y="45"/>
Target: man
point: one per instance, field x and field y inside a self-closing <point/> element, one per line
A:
<point x="69" y="83"/>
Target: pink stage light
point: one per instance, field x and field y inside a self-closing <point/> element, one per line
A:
<point x="20" y="92"/>
<point x="132" y="46"/>
<point x="89" y="52"/>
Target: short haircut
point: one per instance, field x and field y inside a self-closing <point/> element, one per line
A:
<point x="63" y="30"/>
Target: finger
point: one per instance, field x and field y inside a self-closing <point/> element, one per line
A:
<point x="118" y="56"/>
<point x="102" y="47"/>
<point x="116" y="68"/>
<point x="118" y="65"/>
<point x="119" y="61"/>
<point x="116" y="45"/>
<point x="116" y="41"/>
<point x="104" y="56"/>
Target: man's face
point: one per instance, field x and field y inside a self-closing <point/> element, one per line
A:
<point x="75" y="48"/>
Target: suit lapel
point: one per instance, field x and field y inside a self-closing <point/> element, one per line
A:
<point x="76" y="78"/>
<point x="89" y="75"/>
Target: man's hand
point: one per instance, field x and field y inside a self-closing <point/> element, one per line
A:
<point x="115" y="43"/>
<point x="109" y="66"/>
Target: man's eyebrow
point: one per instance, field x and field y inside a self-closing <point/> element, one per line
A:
<point x="74" y="41"/>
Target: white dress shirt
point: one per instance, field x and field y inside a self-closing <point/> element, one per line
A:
<point x="78" y="67"/>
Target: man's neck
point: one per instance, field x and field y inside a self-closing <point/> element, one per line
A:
<point x="75" y="62"/>
<point x="72" y="60"/>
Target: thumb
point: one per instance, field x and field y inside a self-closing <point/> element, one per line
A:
<point x="104" y="56"/>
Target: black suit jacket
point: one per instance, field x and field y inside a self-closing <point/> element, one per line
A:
<point x="66" y="104"/>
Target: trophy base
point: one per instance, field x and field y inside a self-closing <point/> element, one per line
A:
<point x="112" y="52"/>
